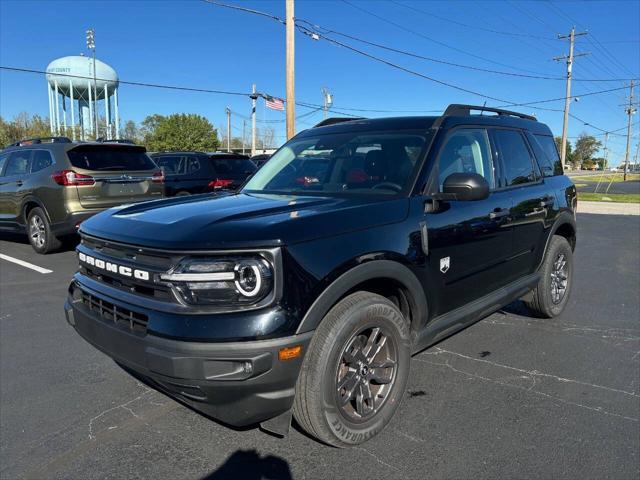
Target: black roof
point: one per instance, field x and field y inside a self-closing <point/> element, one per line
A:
<point x="453" y="115"/>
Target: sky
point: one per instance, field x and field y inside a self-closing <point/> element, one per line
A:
<point x="200" y="45"/>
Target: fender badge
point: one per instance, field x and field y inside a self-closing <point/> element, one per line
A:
<point x="444" y="264"/>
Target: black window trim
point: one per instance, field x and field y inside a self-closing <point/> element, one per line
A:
<point x="536" y="169"/>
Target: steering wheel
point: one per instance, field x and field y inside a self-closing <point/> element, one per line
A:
<point x="391" y="185"/>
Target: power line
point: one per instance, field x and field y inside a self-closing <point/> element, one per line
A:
<point x="431" y="59"/>
<point x="466" y="25"/>
<point x="316" y="36"/>
<point x="124" y="82"/>
<point x="419" y="34"/>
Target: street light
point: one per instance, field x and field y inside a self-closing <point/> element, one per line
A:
<point x="91" y="45"/>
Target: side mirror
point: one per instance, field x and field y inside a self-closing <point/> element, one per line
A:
<point x="466" y="187"/>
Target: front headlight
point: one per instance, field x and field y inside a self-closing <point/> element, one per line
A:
<point x="228" y="281"/>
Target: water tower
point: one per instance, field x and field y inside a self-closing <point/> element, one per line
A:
<point x="82" y="94"/>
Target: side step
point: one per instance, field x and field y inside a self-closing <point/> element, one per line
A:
<point x="449" y="323"/>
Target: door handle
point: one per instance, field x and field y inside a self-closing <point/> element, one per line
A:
<point x="547" y="201"/>
<point x="499" y="212"/>
<point x="19" y="183"/>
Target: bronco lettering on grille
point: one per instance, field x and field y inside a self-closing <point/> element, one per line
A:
<point x="113" y="267"/>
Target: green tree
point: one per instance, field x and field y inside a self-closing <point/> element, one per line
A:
<point x="179" y="131"/>
<point x="131" y="131"/>
<point x="586" y="148"/>
<point x="569" y="150"/>
<point x="24" y="126"/>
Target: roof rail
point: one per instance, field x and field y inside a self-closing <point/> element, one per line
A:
<point x="455" y="110"/>
<point x="334" y="120"/>
<point x="36" y="140"/>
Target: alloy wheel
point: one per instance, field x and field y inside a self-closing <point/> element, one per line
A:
<point x="366" y="374"/>
<point x="559" y="278"/>
<point x="37" y="231"/>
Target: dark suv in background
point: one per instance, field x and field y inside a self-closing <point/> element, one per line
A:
<point x="48" y="186"/>
<point x="188" y="173"/>
<point x="359" y="244"/>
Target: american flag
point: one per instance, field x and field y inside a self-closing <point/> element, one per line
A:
<point x="274" y="103"/>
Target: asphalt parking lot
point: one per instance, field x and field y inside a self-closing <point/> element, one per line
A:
<point x="510" y="397"/>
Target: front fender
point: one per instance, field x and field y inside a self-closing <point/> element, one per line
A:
<point x="363" y="272"/>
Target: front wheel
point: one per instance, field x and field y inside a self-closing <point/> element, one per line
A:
<point x="551" y="295"/>
<point x="355" y="372"/>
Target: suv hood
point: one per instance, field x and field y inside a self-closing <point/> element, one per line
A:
<point x="240" y="220"/>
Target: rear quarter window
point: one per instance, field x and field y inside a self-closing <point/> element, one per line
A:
<point x="41" y="160"/>
<point x="544" y="147"/>
<point x="110" y="158"/>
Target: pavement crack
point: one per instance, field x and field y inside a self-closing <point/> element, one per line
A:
<point x="526" y="389"/>
<point x="377" y="458"/>
<point x="124" y="406"/>
<point x="532" y="372"/>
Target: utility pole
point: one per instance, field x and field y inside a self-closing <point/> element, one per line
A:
<point x="606" y="152"/>
<point x="569" y="59"/>
<point x="254" y="97"/>
<point x="91" y="45"/>
<point x="290" y="74"/>
<point x="630" y="111"/>
<point x="228" y="112"/>
<point x="327" y="101"/>
<point x="244" y="127"/>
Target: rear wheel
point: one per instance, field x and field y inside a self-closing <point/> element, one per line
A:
<point x="551" y="295"/>
<point x="355" y="372"/>
<point x="41" y="237"/>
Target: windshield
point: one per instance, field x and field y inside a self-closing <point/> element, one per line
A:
<point x="356" y="162"/>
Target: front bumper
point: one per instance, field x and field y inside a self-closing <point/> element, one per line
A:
<point x="237" y="383"/>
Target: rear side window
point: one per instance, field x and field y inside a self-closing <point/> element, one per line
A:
<point x="233" y="166"/>
<point x="548" y="157"/>
<point x="41" y="160"/>
<point x="178" y="165"/>
<point x="109" y="158"/>
<point x="18" y="163"/>
<point x="515" y="158"/>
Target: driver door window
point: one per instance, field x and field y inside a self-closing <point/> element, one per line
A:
<point x="466" y="150"/>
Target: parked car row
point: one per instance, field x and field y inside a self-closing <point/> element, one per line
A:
<point x="49" y="185"/>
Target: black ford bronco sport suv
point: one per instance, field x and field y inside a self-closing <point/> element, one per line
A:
<point x="359" y="243"/>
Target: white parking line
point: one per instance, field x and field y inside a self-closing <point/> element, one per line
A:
<point x="25" y="264"/>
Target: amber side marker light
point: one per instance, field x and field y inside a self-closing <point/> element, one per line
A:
<point x="289" y="353"/>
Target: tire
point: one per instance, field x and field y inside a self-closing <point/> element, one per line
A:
<point x="344" y="334"/>
<point x="182" y="193"/>
<point x="550" y="296"/>
<point x="39" y="231"/>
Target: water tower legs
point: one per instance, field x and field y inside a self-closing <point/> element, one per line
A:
<point x="92" y="129"/>
<point x="106" y="112"/>
<point x="73" y="112"/>
<point x="50" y="109"/>
<point x="117" y="112"/>
<point x="57" y="109"/>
